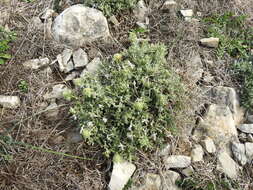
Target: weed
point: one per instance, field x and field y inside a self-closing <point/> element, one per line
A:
<point x="132" y="102"/>
<point x="110" y="7"/>
<point x="234" y="34"/>
<point x="196" y="184"/>
<point x="5" y="38"/>
<point x="23" y="86"/>
<point x="236" y="39"/>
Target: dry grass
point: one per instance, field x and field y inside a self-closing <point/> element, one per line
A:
<point x="31" y="169"/>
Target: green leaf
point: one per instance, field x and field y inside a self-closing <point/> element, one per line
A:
<point x="5" y="55"/>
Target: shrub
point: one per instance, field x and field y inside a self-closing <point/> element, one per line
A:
<point x="236" y="37"/>
<point x="5" y="38"/>
<point x="110" y="7"/>
<point x="132" y="102"/>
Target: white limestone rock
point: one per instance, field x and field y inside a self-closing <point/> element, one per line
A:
<point x="11" y="102"/>
<point x="78" y="25"/>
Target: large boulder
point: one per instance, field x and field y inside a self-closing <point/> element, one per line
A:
<point x="218" y="124"/>
<point x="78" y="25"/>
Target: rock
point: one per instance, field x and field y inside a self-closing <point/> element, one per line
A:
<point x="197" y="154"/>
<point x="80" y="58"/>
<point x="36" y="63"/>
<point x="238" y="151"/>
<point x="188" y="171"/>
<point x="121" y="173"/>
<point x="170" y="178"/>
<point x="152" y="182"/>
<point x="227" y="165"/>
<point x="250" y="119"/>
<point x="78" y="25"/>
<point x="228" y="96"/>
<point x="187" y="13"/>
<point x="209" y="145"/>
<point x="48" y="13"/>
<point x="141" y="11"/>
<point x="218" y="124"/>
<point x="169" y="4"/>
<point x="250" y="138"/>
<point x="242" y="137"/>
<point x="249" y="151"/>
<point x="92" y="67"/>
<point x="74" y="137"/>
<point x="246" y="128"/>
<point x="177" y="161"/>
<point x="165" y="151"/>
<point x="72" y="76"/>
<point x="210" y="42"/>
<point x="65" y="63"/>
<point x="114" y="20"/>
<point x="10" y="101"/>
<point x="194" y="68"/>
<point x="57" y="92"/>
<point x="52" y="111"/>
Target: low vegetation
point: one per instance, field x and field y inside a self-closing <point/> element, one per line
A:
<point x="6" y="38"/>
<point x="133" y="101"/>
<point x="236" y="40"/>
<point x="110" y="7"/>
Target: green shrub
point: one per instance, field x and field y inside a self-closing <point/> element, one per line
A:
<point x="244" y="72"/>
<point x="5" y="39"/>
<point x="110" y="7"/>
<point x="236" y="37"/>
<point x="132" y="102"/>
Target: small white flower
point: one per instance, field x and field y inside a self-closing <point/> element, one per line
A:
<point x="89" y="124"/>
<point x="104" y="119"/>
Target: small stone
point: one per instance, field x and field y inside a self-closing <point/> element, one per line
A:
<point x="65" y="64"/>
<point x="10" y="101"/>
<point x="249" y="151"/>
<point x="114" y="20"/>
<point x="141" y="11"/>
<point x="92" y="67"/>
<point x="80" y="58"/>
<point x="197" y="154"/>
<point x="74" y="137"/>
<point x="165" y="151"/>
<point x="210" y="42"/>
<point x="72" y="76"/>
<point x="250" y="138"/>
<point x="57" y="92"/>
<point x="48" y="13"/>
<point x="246" y="128"/>
<point x="250" y="119"/>
<point x="152" y="181"/>
<point x="209" y="145"/>
<point x="188" y="171"/>
<point x="121" y="173"/>
<point x="238" y="151"/>
<point x="169" y="181"/>
<point x="52" y="111"/>
<point x="58" y="140"/>
<point x="169" y="4"/>
<point x="36" y="63"/>
<point x="242" y="137"/>
<point x="177" y="161"/>
<point x="187" y="12"/>
<point x="227" y="165"/>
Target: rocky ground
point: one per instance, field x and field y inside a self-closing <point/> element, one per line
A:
<point x="41" y="148"/>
